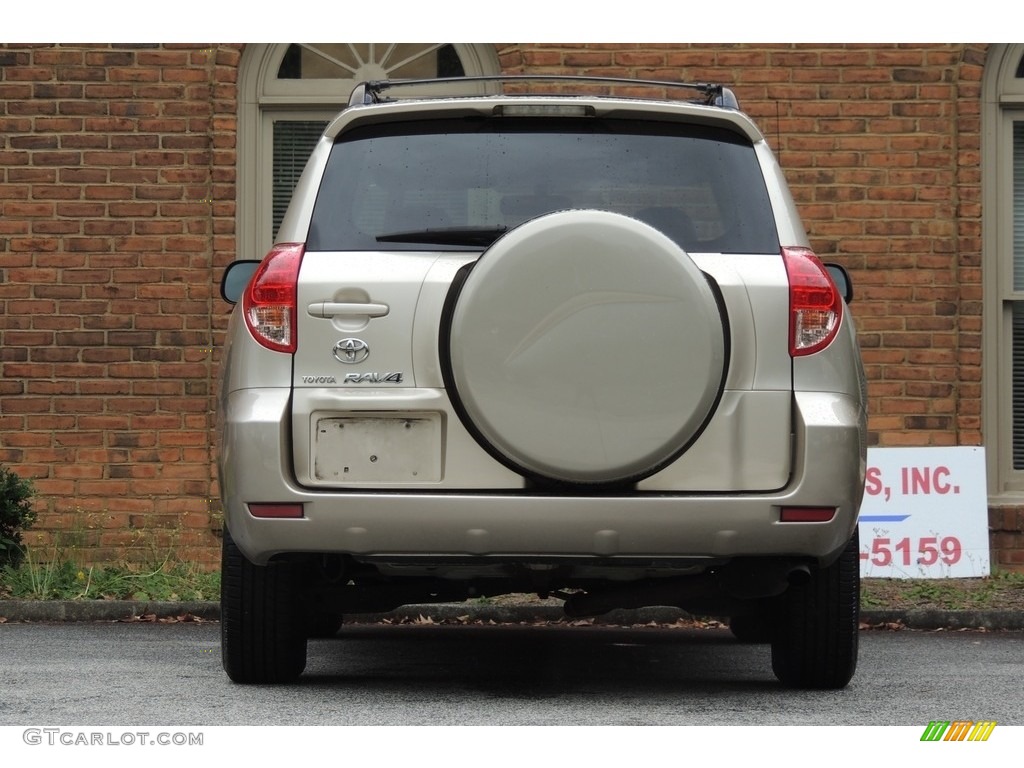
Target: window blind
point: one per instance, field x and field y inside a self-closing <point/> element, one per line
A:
<point x="1017" y="363"/>
<point x="294" y="140"/>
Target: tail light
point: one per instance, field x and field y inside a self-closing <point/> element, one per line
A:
<point x="815" y="306"/>
<point x="806" y="514"/>
<point x="270" y="300"/>
<point x="275" y="510"/>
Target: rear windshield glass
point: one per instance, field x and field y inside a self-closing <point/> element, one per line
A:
<point x="404" y="186"/>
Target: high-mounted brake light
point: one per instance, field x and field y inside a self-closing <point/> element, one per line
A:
<point x="815" y="306"/>
<point x="270" y="301"/>
<point x="544" y="110"/>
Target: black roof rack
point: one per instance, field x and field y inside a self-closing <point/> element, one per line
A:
<point x="711" y="94"/>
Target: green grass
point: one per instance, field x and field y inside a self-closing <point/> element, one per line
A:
<point x="1000" y="591"/>
<point x="63" y="580"/>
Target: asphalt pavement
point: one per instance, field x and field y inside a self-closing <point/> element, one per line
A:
<point x="504" y="612"/>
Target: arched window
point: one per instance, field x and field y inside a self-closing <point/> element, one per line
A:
<point x="287" y="94"/>
<point x="1003" y="266"/>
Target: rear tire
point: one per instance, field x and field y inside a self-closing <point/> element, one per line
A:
<point x="262" y="627"/>
<point x="815" y="640"/>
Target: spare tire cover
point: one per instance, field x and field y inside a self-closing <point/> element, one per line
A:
<point x="585" y="347"/>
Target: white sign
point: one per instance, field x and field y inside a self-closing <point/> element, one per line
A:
<point x="925" y="514"/>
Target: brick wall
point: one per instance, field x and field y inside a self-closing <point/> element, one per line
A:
<point x="117" y="190"/>
<point x="117" y="173"/>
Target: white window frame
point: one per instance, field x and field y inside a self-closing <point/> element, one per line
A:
<point x="265" y="190"/>
<point x="263" y="98"/>
<point x="1003" y="105"/>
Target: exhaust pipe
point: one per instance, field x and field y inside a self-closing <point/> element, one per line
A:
<point x="798" y="576"/>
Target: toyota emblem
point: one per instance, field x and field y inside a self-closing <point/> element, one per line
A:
<point x="351" y="351"/>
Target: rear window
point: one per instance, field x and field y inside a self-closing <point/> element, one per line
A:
<point x="701" y="186"/>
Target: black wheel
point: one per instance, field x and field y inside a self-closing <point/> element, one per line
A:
<point x="262" y="628"/>
<point x="815" y="640"/>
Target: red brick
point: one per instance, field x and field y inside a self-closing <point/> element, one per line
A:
<point x="28" y="210"/>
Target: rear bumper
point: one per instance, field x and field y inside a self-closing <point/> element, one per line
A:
<point x="255" y="459"/>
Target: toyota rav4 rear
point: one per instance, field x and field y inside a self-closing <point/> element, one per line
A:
<point x="560" y="344"/>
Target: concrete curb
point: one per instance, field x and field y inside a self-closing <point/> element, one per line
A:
<point x="512" y="613"/>
<point x="935" y="619"/>
<point x="102" y="610"/>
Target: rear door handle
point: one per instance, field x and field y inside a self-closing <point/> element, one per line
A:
<point x="347" y="309"/>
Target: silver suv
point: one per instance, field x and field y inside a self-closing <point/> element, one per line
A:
<point x="571" y="345"/>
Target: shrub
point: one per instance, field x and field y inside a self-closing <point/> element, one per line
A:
<point x="16" y="514"/>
